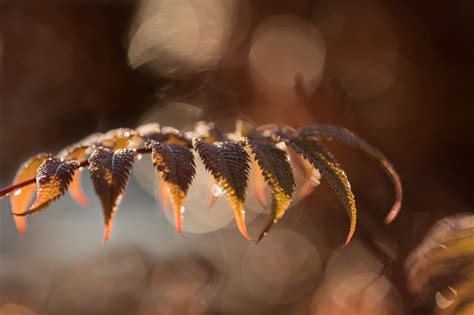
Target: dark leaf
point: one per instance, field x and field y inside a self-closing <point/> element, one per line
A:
<point x="229" y="165"/>
<point x="176" y="165"/>
<point x="314" y="152"/>
<point x="277" y="173"/>
<point x="52" y="181"/>
<point x="353" y="140"/>
<point x="109" y="174"/>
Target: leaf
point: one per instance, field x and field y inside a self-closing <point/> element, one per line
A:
<point x="120" y="138"/>
<point x="445" y="254"/>
<point x="277" y="173"/>
<point x="229" y="165"/>
<point x="176" y="165"/>
<point x="109" y="174"/>
<point x="315" y="153"/>
<point x="355" y="141"/>
<point x="21" y="199"/>
<point x="259" y="185"/>
<point x="52" y="181"/>
<point x="78" y="153"/>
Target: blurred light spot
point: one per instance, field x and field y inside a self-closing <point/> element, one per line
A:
<point x="286" y="49"/>
<point x="28" y="278"/>
<point x="371" y="287"/>
<point x="354" y="258"/>
<point x="217" y="190"/>
<point x="110" y="280"/>
<point x="444" y="302"/>
<point x="199" y="218"/>
<point x="15" y="309"/>
<point x="177" y="38"/>
<point x="281" y="269"/>
<point x="362" y="45"/>
<point x="353" y="285"/>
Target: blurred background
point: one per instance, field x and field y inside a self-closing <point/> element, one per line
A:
<point x="398" y="73"/>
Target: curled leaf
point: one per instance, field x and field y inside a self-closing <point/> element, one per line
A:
<point x="109" y="174"/>
<point x="229" y="165"/>
<point x="355" y="141"/>
<point x="445" y="255"/>
<point x="277" y="173"/>
<point x="315" y="153"/>
<point x="78" y="153"/>
<point x="52" y="181"/>
<point x="176" y="165"/>
<point x="21" y="199"/>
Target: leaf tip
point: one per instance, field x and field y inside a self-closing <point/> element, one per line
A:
<point x="349" y="237"/>
<point x="243" y="229"/>
<point x="393" y="212"/>
<point x="20" y="223"/>
<point x="107" y="232"/>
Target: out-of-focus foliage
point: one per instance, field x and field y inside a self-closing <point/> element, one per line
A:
<point x="443" y="265"/>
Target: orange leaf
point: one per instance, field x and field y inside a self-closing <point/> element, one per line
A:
<point x="21" y="199"/>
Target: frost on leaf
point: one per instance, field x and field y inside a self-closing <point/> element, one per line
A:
<point x="120" y="138"/>
<point x="52" y="181"/>
<point x="176" y="165"/>
<point x="277" y="172"/>
<point x="314" y="152"/>
<point x="21" y="199"/>
<point x="229" y="165"/>
<point x="109" y="174"/>
<point x="355" y="141"/>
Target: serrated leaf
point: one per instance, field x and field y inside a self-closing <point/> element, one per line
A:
<point x="315" y="153"/>
<point x="78" y="153"/>
<point x="277" y="173"/>
<point x="52" y="181"/>
<point x="229" y="165"/>
<point x="109" y="174"/>
<point x="355" y="141"/>
<point x="176" y="165"/>
<point x="21" y="199"/>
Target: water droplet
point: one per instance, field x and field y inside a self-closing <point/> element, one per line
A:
<point x="217" y="190"/>
<point x="182" y="209"/>
<point x="139" y="157"/>
<point x="281" y="146"/>
<point x="17" y="192"/>
<point x="443" y="301"/>
<point x="81" y="168"/>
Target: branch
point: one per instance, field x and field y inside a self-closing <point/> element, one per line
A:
<point x="8" y="190"/>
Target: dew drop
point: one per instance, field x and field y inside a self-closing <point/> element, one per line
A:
<point x="17" y="192"/>
<point x="217" y="190"/>
<point x="281" y="146"/>
<point x="443" y="301"/>
<point x="139" y="157"/>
